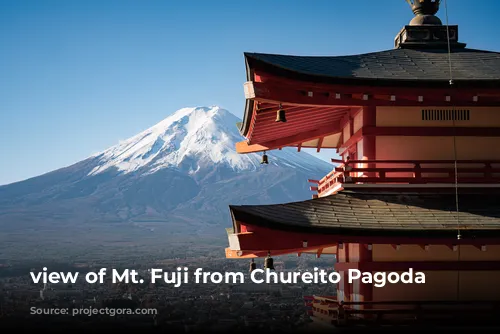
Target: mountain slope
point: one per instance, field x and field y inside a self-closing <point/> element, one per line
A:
<point x="191" y="140"/>
<point x="173" y="181"/>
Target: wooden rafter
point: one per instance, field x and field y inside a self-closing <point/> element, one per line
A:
<point x="302" y="137"/>
<point x="264" y="128"/>
<point x="320" y="142"/>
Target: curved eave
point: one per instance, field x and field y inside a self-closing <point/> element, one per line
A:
<point x="249" y="104"/>
<point x="255" y="67"/>
<point x="365" y="217"/>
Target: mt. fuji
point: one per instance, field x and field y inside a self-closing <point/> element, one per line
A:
<point x="170" y="183"/>
<point x="191" y="140"/>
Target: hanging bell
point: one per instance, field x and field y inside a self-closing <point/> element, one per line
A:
<point x="253" y="265"/>
<point x="280" y="115"/>
<point x="264" y="159"/>
<point x="269" y="262"/>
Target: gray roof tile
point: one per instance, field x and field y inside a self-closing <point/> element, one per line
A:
<point x="401" y="213"/>
<point x="396" y="64"/>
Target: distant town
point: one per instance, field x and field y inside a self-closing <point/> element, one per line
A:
<point x="190" y="307"/>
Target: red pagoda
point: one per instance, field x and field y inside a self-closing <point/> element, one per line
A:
<point x="418" y="183"/>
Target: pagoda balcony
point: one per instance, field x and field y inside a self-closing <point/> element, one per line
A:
<point x="407" y="173"/>
<point x="340" y="313"/>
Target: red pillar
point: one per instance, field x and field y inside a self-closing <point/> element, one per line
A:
<point x="369" y="120"/>
<point x="369" y="153"/>
<point x="365" y="290"/>
<point x="342" y="286"/>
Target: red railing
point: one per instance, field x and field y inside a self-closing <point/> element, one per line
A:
<point x="408" y="172"/>
<point x="352" y="313"/>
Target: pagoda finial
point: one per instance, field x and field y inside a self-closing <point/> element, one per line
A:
<point x="425" y="11"/>
<point x="426" y="30"/>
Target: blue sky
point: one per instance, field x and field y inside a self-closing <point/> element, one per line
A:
<point x="78" y="76"/>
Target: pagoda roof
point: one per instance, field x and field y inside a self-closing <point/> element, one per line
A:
<point x="414" y="66"/>
<point x="323" y="88"/>
<point x="384" y="214"/>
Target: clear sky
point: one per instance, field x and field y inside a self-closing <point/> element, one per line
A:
<point x="78" y="76"/>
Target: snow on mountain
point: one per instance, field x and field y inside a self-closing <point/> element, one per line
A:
<point x="191" y="139"/>
<point x="170" y="184"/>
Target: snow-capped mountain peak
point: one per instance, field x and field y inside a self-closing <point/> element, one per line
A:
<point x="192" y="139"/>
<point x="169" y="184"/>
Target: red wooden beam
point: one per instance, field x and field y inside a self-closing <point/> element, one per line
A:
<point x="363" y="89"/>
<point x="268" y="107"/>
<point x="431" y="131"/>
<point x="263" y="239"/>
<point x="419" y="265"/>
<point x="422" y="180"/>
<point x="415" y="303"/>
<point x="480" y="161"/>
<point x="421" y="131"/>
<point x="353" y="139"/>
<point x="273" y="93"/>
<point x="449" y="170"/>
